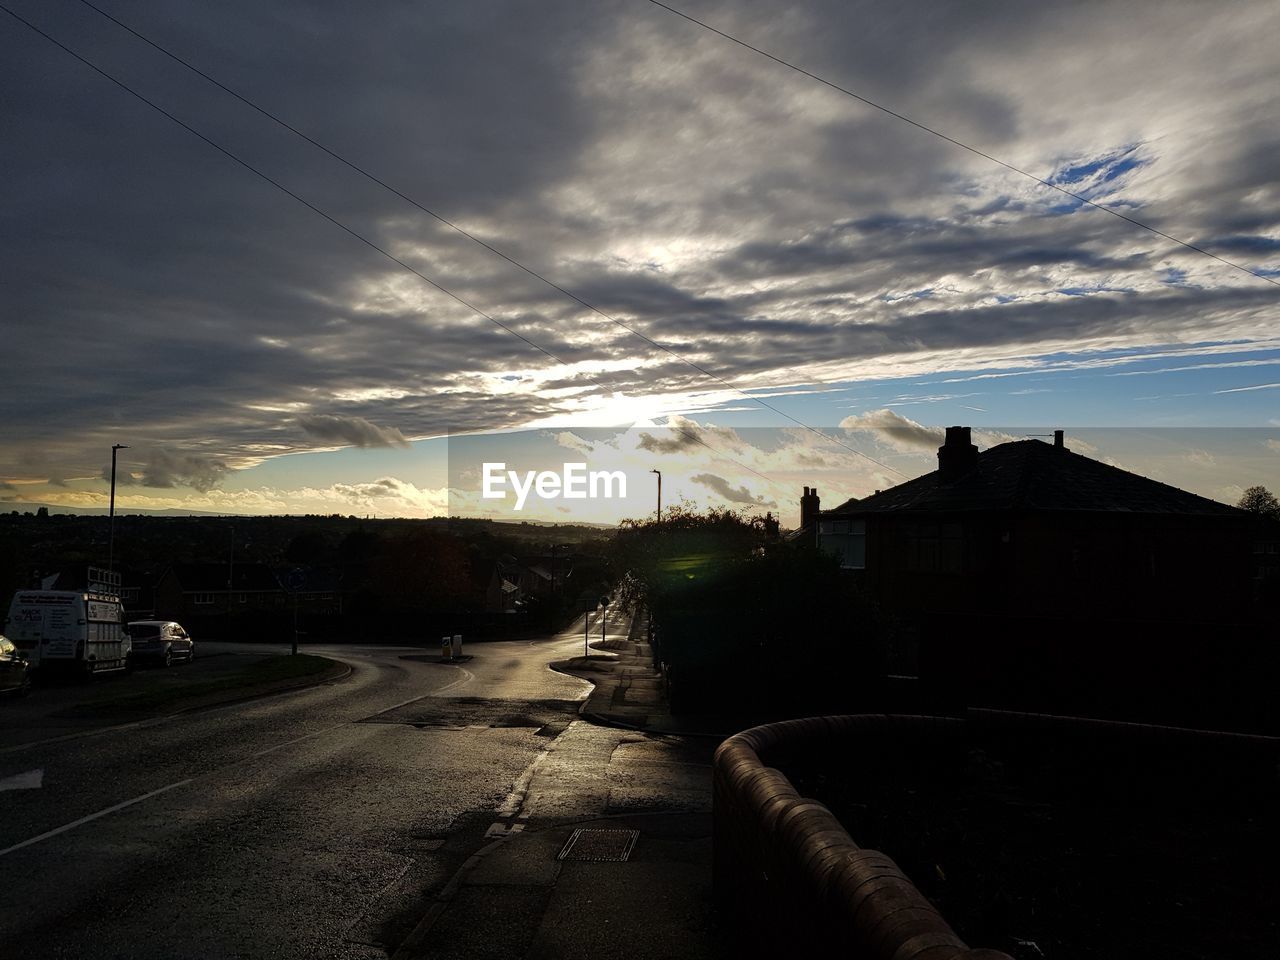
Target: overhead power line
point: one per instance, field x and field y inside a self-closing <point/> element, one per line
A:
<point x="346" y="229"/>
<point x="373" y="178"/>
<point x="959" y="143"/>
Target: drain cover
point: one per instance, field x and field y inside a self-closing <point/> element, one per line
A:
<point x="599" y="845"/>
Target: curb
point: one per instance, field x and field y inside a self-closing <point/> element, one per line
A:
<point x="608" y="720"/>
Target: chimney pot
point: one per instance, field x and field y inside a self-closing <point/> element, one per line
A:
<point x="1057" y="440"/>
<point x="809" y="507"/>
<point x="957" y="455"/>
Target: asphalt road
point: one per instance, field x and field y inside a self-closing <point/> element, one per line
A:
<point x="314" y="823"/>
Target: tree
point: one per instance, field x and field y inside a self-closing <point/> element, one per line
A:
<point x="730" y="601"/>
<point x="1260" y="500"/>
<point x="661" y="558"/>
<point x="309" y="546"/>
<point x="424" y="570"/>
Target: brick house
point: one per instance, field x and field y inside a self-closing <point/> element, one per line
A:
<point x="1036" y="577"/>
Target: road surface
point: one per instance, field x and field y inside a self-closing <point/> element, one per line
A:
<point x="315" y="823"/>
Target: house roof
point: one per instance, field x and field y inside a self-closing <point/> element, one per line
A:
<point x="1037" y="476"/>
<point x="212" y="577"/>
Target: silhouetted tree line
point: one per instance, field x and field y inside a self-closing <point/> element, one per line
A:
<point x="396" y="578"/>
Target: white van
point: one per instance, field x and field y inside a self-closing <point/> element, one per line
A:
<point x="71" y="629"/>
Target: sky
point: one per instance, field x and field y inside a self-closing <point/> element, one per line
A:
<point x="766" y="237"/>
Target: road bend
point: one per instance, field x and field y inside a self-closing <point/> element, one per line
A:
<point x="314" y="823"/>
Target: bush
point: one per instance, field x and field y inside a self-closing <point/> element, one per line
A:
<point x="731" y="604"/>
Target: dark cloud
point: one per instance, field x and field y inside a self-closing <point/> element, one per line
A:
<point x="682" y="434"/>
<point x="356" y="431"/>
<point x="896" y="429"/>
<point x="166" y="468"/>
<point x="675" y="443"/>
<point x="732" y="494"/>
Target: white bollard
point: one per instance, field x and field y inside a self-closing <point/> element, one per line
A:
<point x="457" y="646"/>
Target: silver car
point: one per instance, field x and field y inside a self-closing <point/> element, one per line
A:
<point x="161" y="641"/>
<point x="15" y="672"/>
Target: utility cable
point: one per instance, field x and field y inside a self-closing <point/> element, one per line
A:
<point x="959" y="143"/>
<point x="352" y="165"/>
<point x="342" y="226"/>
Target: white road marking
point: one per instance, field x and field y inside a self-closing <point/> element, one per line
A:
<point x="157" y="721"/>
<point x="34" y="778"/>
<point x="467" y="677"/>
<point x="31" y="780"/>
<point x="288" y="743"/>
<point x="93" y="816"/>
<point x="96" y="731"/>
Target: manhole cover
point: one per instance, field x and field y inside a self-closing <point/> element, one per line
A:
<point x="599" y="845"/>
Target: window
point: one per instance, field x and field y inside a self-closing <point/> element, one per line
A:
<point x="847" y="539"/>
<point x="933" y="547"/>
<point x="202" y="598"/>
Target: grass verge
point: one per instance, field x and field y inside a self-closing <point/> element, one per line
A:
<point x="263" y="676"/>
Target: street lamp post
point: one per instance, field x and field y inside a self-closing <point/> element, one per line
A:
<point x="659" y="473"/>
<point x="111" y="523"/>
<point x="231" y="576"/>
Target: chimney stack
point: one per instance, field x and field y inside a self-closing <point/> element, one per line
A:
<point x="1057" y="440"/>
<point x="809" y="505"/>
<point x="957" y="455"/>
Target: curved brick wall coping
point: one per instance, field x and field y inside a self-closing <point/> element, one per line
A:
<point x="788" y="857"/>
<point x="800" y="847"/>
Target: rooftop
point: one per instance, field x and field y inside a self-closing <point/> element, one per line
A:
<point x="1033" y="475"/>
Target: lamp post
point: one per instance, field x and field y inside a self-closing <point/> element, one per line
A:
<point x="111" y="523"/>
<point x="659" y="473"/>
<point x="231" y="576"/>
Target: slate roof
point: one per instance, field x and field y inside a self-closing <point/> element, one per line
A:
<point x="1036" y="476"/>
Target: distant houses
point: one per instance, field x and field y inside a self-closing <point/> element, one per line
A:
<point x="518" y="583"/>
<point x="189" y="590"/>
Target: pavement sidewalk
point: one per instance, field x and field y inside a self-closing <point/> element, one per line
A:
<point x="631" y="692"/>
<point x="525" y="895"/>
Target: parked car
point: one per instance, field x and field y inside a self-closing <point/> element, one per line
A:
<point x="15" y="671"/>
<point x="161" y="641"/>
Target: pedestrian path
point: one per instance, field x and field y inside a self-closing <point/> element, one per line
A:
<point x="643" y="796"/>
<point x="630" y="690"/>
